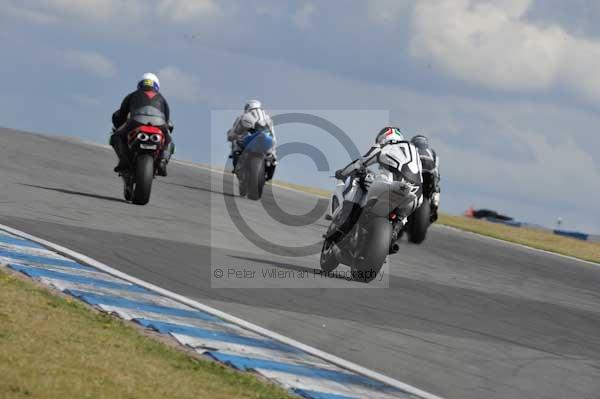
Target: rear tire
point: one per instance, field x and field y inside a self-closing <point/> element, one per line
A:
<point x="375" y="250"/>
<point x="256" y="178"/>
<point x="418" y="222"/>
<point x="144" y="174"/>
<point x="242" y="189"/>
<point x="242" y="177"/>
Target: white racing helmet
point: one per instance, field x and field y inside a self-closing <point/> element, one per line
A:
<point x="149" y="80"/>
<point x="252" y="104"/>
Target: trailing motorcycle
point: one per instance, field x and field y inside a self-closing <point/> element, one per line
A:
<point x="255" y="163"/>
<point x="420" y="220"/>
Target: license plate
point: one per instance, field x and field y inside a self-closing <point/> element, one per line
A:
<point x="148" y="146"/>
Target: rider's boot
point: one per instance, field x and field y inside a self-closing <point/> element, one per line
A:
<point x="271" y="165"/>
<point x="235" y="157"/>
<point x="435" y="204"/>
<point x="161" y="169"/>
<point x="121" y="150"/>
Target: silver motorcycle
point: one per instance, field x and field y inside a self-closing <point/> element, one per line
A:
<point x="394" y="191"/>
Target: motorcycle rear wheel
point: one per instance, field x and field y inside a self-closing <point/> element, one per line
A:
<point x="144" y="174"/>
<point x="418" y="222"/>
<point x="256" y="177"/>
<point x="375" y="251"/>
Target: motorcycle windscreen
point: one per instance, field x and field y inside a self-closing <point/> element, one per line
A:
<point x="149" y="115"/>
<point x="260" y="142"/>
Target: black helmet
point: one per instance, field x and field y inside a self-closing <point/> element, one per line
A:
<point x="420" y="141"/>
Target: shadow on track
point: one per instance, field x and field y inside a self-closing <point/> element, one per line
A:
<point x="288" y="266"/>
<point x="79" y="193"/>
<point x="208" y="190"/>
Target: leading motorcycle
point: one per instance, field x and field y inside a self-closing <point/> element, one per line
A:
<point x="145" y="144"/>
<point x="394" y="193"/>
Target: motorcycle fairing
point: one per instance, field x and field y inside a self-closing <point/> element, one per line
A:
<point x="258" y="142"/>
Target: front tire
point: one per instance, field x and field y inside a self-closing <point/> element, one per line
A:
<point x="144" y="174"/>
<point x="256" y="178"/>
<point x="418" y="222"/>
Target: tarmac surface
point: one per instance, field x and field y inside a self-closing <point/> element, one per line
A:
<point x="463" y="316"/>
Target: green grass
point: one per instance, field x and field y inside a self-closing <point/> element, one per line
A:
<point x="55" y="347"/>
<point x="541" y="239"/>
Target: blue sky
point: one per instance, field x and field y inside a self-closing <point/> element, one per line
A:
<point x="507" y="90"/>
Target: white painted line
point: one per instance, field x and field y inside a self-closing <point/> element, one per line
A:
<point x="443" y="226"/>
<point x="225" y="316"/>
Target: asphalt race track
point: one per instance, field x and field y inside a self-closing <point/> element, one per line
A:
<point x="463" y="317"/>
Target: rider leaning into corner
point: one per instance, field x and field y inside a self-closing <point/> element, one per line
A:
<point x="254" y="118"/>
<point x="431" y="164"/>
<point x="351" y="210"/>
<point x="145" y="106"/>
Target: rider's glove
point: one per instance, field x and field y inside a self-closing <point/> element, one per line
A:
<point x="339" y="174"/>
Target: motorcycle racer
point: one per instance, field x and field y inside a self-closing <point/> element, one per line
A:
<point x="431" y="165"/>
<point x="253" y="118"/>
<point x="351" y="210"/>
<point x="141" y="107"/>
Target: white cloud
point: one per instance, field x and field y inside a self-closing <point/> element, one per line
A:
<point x="87" y="61"/>
<point x="102" y="11"/>
<point x="302" y="17"/>
<point x="493" y="45"/>
<point x="179" y="85"/>
<point x="31" y="16"/>
<point x="186" y="10"/>
<point x="387" y="12"/>
<point x="486" y="43"/>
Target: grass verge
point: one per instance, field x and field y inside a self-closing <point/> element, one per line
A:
<point x="534" y="238"/>
<point x="53" y="346"/>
